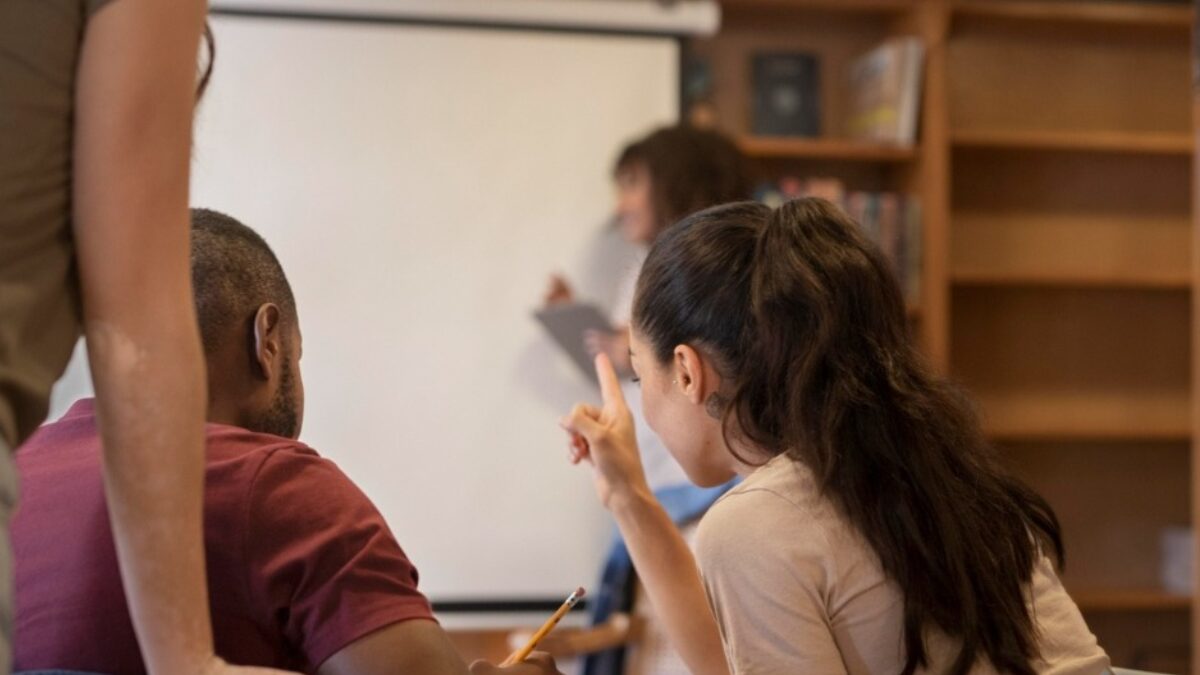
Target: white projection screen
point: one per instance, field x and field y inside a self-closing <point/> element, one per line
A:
<point x="419" y="184"/>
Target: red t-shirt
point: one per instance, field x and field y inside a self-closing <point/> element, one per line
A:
<point x="300" y="563"/>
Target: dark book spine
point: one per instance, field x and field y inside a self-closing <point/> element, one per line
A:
<point x="786" y="95"/>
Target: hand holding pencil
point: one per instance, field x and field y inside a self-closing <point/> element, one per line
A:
<point x="537" y="663"/>
<point x="523" y="653"/>
<point x="525" y="660"/>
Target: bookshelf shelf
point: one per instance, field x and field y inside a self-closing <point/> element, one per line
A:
<point x="1132" y="599"/>
<point x="1123" y="14"/>
<point x="835" y="149"/>
<point x="1007" y="234"/>
<point x="1061" y="434"/>
<point x="1147" y="280"/>
<point x="1035" y="416"/>
<point x="885" y="7"/>
<point x="1181" y="144"/>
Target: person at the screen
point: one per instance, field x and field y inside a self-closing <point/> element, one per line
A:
<point x="304" y="571"/>
<point x="660" y="178"/>
<point x="773" y="344"/>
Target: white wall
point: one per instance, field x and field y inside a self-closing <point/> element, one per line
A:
<point x="418" y="185"/>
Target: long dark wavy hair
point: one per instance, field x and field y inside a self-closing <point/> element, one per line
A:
<point x="806" y="324"/>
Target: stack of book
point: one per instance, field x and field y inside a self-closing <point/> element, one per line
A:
<point x="891" y="220"/>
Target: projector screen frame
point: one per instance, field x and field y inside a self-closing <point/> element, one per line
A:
<point x="468" y="611"/>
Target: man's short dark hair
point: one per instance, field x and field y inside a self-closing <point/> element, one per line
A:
<point x="234" y="272"/>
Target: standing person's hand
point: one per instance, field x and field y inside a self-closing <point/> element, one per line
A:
<point x="558" y="292"/>
<point x="614" y="344"/>
<point x="537" y="663"/>
<point x="605" y="438"/>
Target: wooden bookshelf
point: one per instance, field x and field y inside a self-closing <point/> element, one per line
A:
<point x="1085" y="249"/>
<point x="832" y="149"/>
<point x="1123" y="14"/>
<point x="1143" y="142"/>
<point x="1036" y="416"/>
<point x="1075" y="363"/>
<point x="1071" y="269"/>
<point x="883" y="7"/>
<point x="1119" y="89"/>
<point x="1054" y="168"/>
<point x="1147" y="280"/>
<point x="1194" y="474"/>
<point x="1132" y="486"/>
<point x="1122" y="600"/>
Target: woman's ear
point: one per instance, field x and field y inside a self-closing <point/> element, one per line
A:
<point x="268" y="339"/>
<point x="690" y="375"/>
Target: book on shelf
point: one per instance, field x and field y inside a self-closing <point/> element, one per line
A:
<point x="786" y="88"/>
<point x="889" y="219"/>
<point x="885" y="92"/>
<point x="910" y="261"/>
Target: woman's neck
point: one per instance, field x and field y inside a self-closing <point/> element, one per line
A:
<point x="746" y="458"/>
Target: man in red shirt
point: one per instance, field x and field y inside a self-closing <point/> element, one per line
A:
<point x="304" y="573"/>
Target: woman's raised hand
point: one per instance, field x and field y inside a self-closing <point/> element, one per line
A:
<point x="604" y="438"/>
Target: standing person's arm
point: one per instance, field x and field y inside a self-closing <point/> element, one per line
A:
<point x="662" y="558"/>
<point x="134" y="104"/>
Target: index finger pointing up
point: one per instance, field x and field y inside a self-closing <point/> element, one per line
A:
<point x="610" y="385"/>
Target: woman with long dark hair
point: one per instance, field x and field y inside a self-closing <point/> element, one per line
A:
<point x="875" y="531"/>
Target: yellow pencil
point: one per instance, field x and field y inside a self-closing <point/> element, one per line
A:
<point x="523" y="653"/>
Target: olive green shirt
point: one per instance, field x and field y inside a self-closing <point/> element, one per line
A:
<point x="39" y="297"/>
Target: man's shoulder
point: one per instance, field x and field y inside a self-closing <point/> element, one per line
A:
<point x="257" y="466"/>
<point x="240" y="462"/>
<point x="225" y="442"/>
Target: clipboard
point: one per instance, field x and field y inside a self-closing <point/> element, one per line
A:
<point x="567" y="324"/>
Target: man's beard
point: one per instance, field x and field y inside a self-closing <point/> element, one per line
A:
<point x="282" y="418"/>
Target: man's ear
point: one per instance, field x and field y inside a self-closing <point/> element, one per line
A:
<point x="268" y="339"/>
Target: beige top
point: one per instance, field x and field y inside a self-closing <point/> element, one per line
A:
<point x="795" y="589"/>
<point x="39" y="308"/>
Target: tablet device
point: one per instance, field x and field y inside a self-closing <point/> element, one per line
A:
<point x="567" y="324"/>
